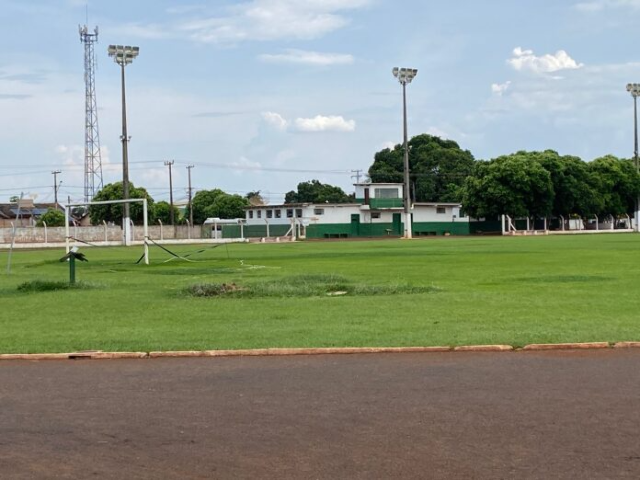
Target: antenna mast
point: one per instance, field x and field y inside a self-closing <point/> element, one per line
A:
<point x="92" y="158"/>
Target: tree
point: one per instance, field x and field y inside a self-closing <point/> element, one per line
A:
<point x="315" y="192"/>
<point x="617" y="185"/>
<point x="201" y="201"/>
<point x="113" y="212"/>
<point x="227" y="206"/>
<point x="255" y="198"/>
<point x="52" y="217"/>
<point x="162" y="212"/>
<point x="515" y="185"/>
<point x="438" y="168"/>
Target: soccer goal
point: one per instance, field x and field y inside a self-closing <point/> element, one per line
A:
<point x="126" y="222"/>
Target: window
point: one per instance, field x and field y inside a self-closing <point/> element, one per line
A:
<point x="375" y="214"/>
<point x="298" y="213"/>
<point x="259" y="213"/>
<point x="278" y="213"/>
<point x="441" y="210"/>
<point x="269" y="213"/>
<point x="289" y="212"/>
<point x="386" y="193"/>
<point x="250" y="213"/>
<point x="318" y="211"/>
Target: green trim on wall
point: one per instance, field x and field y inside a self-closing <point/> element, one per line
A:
<point x="382" y="202"/>
<point x="255" y="231"/>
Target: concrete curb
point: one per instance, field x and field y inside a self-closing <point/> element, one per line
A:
<point x="627" y="345"/>
<point x="566" y="346"/>
<point x="100" y="355"/>
<point x="484" y="348"/>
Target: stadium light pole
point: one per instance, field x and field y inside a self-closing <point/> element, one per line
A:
<point x="123" y="56"/>
<point x="405" y="76"/>
<point x="634" y="90"/>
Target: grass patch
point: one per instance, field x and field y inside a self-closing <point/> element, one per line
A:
<point x="34" y="286"/>
<point x="300" y="286"/>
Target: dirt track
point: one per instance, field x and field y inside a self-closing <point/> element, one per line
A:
<point x="444" y="415"/>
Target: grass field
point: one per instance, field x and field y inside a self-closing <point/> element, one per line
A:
<point x="444" y="291"/>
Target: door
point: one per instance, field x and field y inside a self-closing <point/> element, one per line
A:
<point x="355" y="224"/>
<point x="397" y="223"/>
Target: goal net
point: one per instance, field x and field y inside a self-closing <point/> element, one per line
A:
<point x="126" y="222"/>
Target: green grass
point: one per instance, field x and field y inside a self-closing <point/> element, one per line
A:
<point x="444" y="291"/>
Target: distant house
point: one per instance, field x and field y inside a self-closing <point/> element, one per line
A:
<point x="377" y="212"/>
<point x="24" y="213"/>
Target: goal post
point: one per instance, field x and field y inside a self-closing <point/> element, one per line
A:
<point x="126" y="230"/>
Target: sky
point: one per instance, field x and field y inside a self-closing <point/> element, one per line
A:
<point x="265" y="94"/>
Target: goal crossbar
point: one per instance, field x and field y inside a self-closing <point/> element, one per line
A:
<point x="69" y="205"/>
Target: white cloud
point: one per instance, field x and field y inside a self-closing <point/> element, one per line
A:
<point x="389" y="144"/>
<point x="500" y="88"/>
<point x="523" y="60"/>
<point x="275" y="120"/>
<point x="308" y="58"/>
<point x="598" y="5"/>
<point x="253" y="20"/>
<point x="320" y="123"/>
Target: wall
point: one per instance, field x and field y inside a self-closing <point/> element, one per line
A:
<point x="94" y="234"/>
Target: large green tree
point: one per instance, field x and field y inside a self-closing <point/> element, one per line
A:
<point x="201" y="201"/>
<point x="515" y="185"/>
<point x="617" y="185"/>
<point x="438" y="168"/>
<point x="227" y="206"/>
<point x="314" y="191"/>
<point x="113" y="212"/>
<point x="573" y="184"/>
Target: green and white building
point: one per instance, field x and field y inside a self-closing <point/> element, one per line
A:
<point x="377" y="212"/>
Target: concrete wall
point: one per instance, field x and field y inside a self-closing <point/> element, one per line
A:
<point x="96" y="234"/>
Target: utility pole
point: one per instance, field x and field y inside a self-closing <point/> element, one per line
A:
<point x="190" y="198"/>
<point x="170" y="164"/>
<point x="358" y="174"/>
<point x="55" y="185"/>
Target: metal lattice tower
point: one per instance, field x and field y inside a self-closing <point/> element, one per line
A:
<point x="92" y="158"/>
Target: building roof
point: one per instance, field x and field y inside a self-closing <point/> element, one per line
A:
<point x="378" y="184"/>
<point x="438" y="204"/>
<point x="301" y="205"/>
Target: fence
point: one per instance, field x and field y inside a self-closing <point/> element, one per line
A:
<point x="106" y="233"/>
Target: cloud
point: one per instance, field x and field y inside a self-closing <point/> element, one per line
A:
<point x="524" y="60"/>
<point x="275" y="120"/>
<point x="500" y="88"/>
<point x="256" y="20"/>
<point x="320" y="123"/>
<point x="14" y="96"/>
<point x="308" y="58"/>
<point x="599" y="5"/>
<point x="389" y="144"/>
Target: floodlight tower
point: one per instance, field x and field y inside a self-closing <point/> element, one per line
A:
<point x="634" y="90"/>
<point x="92" y="158"/>
<point x="405" y="76"/>
<point x="123" y="56"/>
